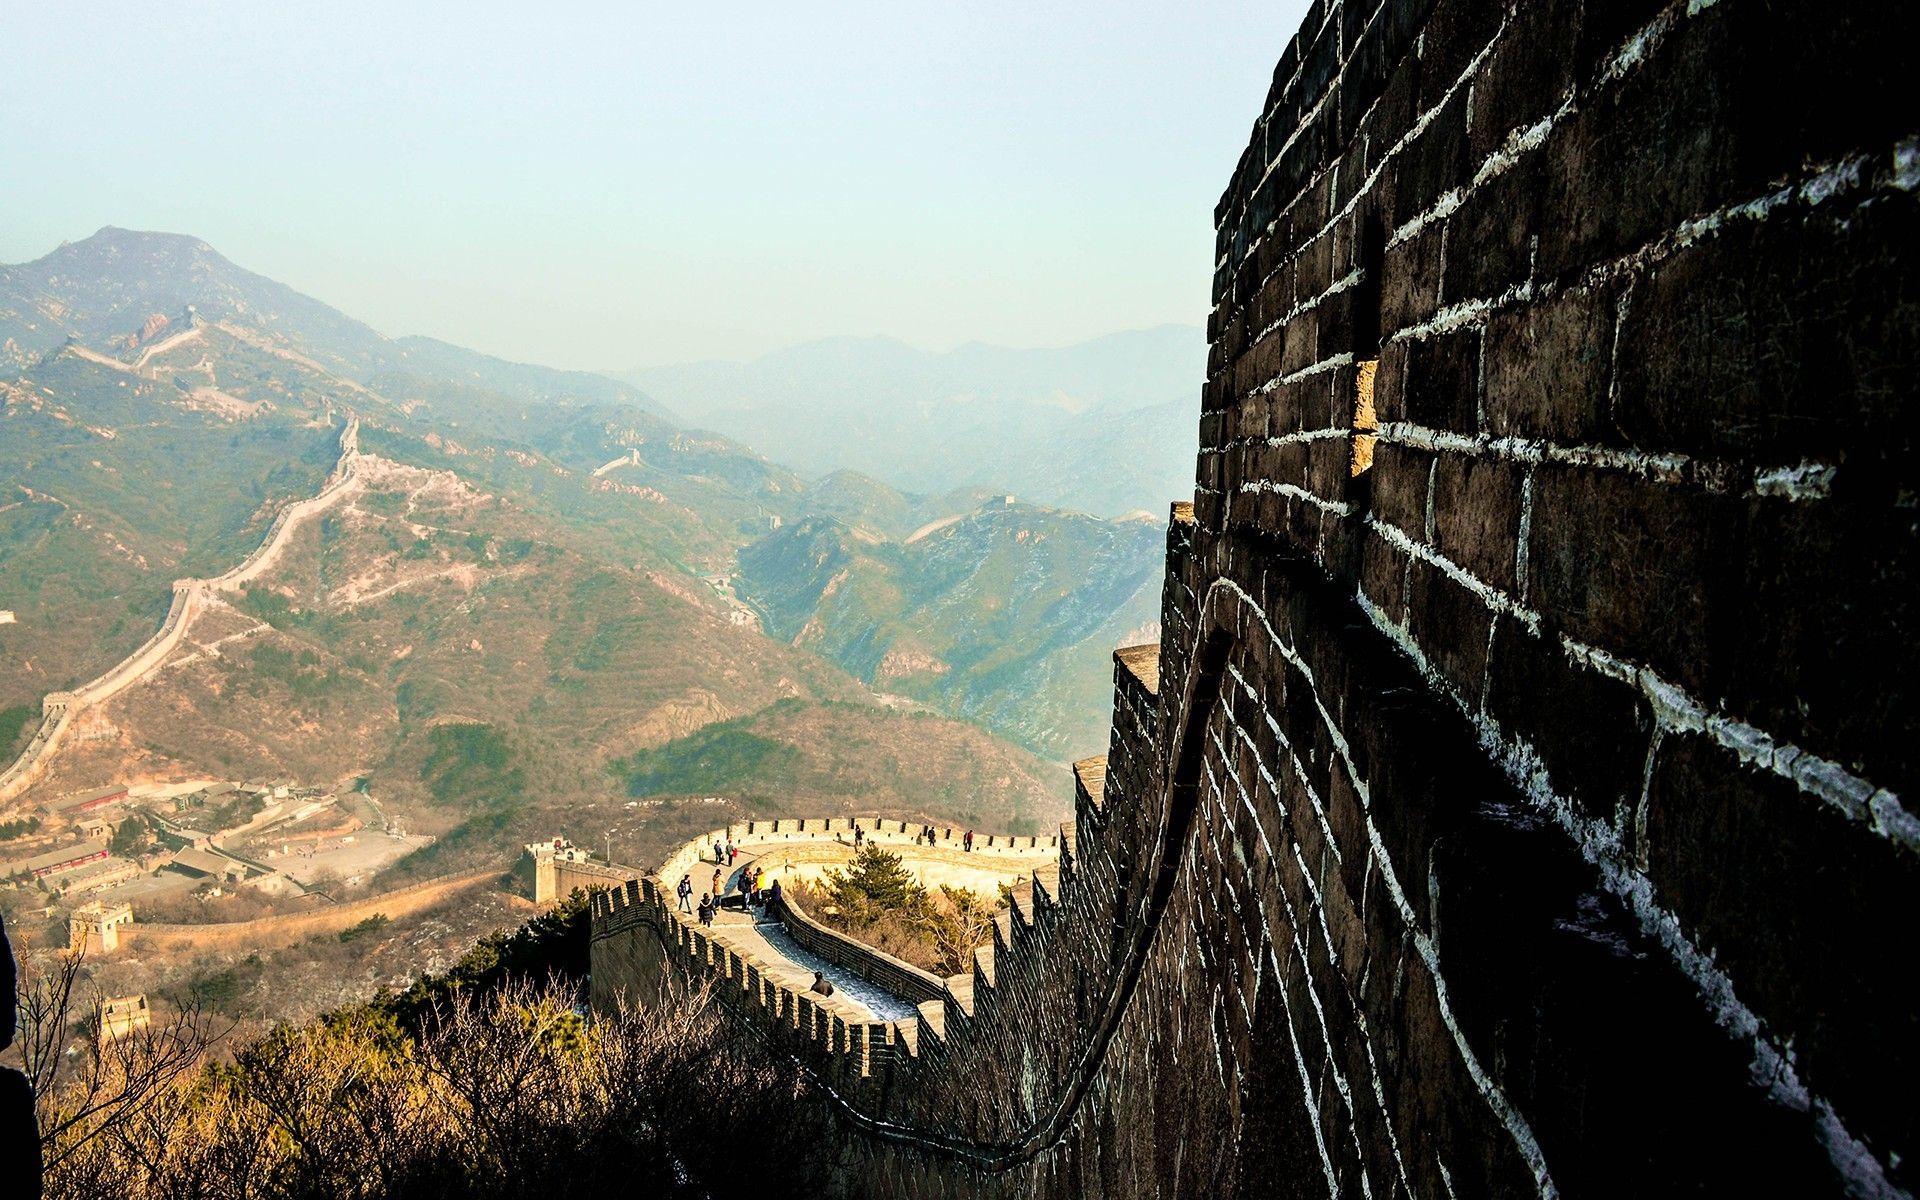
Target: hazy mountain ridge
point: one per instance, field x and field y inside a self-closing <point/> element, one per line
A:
<point x="1104" y="426"/>
<point x="472" y="580"/>
<point x="101" y="291"/>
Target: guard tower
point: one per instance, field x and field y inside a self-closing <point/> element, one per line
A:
<point x="96" y="926"/>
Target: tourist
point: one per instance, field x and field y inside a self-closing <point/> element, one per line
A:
<point x="732" y="851"/>
<point x="719" y="852"/>
<point x="718" y="889"/>
<point x="821" y="985"/>
<point x="773" y="898"/>
<point x="859" y="836"/>
<point x="759" y="885"/>
<point x="706" y="909"/>
<point x="685" y="891"/>
<point x="969" y="841"/>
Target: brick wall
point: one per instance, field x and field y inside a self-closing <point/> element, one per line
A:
<point x="1522" y="813"/>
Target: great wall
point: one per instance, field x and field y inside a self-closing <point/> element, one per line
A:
<point x="1514" y="804"/>
<point x="190" y="597"/>
<point x="285" y="929"/>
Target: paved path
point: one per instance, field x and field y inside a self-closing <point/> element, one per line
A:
<point x="781" y="959"/>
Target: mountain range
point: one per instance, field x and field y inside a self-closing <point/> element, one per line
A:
<point x="599" y="600"/>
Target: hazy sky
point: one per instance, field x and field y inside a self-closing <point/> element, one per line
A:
<point x="606" y="185"/>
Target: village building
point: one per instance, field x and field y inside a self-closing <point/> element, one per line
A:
<point x="207" y="864"/>
<point x="87" y="801"/>
<point x="55" y="862"/>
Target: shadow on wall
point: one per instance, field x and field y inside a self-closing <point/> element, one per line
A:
<point x="19" y="1132"/>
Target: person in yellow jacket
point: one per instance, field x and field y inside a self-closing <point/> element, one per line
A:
<point x="759" y="882"/>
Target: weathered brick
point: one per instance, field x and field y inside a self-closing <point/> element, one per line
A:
<point x="1401" y="478"/>
<point x="1490" y="238"/>
<point x="1827" y="599"/>
<point x="1393" y="116"/>
<point x="1456" y="31"/>
<point x="1804" y="908"/>
<point x="1451" y="624"/>
<point x="1410" y="287"/>
<point x="1476" y="515"/>
<point x="1430" y="164"/>
<point x="1548" y="368"/>
<point x="1634" y="569"/>
<point x="1383" y="575"/>
<point x="1591" y="731"/>
<point x="1530" y="71"/>
<point x="1439" y="381"/>
<point x="1781" y="340"/>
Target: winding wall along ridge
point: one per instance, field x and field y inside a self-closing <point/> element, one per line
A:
<point x="291" y="927"/>
<point x="190" y="597"/>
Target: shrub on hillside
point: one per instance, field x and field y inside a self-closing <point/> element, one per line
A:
<point x="488" y="1081"/>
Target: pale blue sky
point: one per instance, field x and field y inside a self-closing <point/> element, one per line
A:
<point x="606" y="185"/>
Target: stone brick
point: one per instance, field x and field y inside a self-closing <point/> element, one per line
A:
<point x="1636" y="570"/>
<point x="1394" y="114"/>
<point x="1805" y="908"/>
<point x="1717" y="112"/>
<point x="1410" y="287"/>
<point x="1547" y="368"/>
<point x="1591" y="732"/>
<point x="1383" y="576"/>
<point x="1455" y="31"/>
<point x="1491" y="236"/>
<point x="1783" y="341"/>
<point x="1328" y="462"/>
<point x="1451" y="624"/>
<point x="1430" y="164"/>
<point x="1476" y="515"/>
<point x="1829" y="596"/>
<point x="1400" y="484"/>
<point x="1628" y="1085"/>
<point x="1439" y="381"/>
<point x="1529" y="72"/>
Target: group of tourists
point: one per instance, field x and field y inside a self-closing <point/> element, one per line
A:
<point x="756" y="891"/>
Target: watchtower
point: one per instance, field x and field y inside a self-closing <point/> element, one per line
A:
<point x="96" y="926"/>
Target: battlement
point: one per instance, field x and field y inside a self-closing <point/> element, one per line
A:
<point x="644" y="946"/>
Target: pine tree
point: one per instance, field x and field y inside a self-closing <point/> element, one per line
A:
<point x="875" y="882"/>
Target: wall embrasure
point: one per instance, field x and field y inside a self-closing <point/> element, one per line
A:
<point x="1515" y="806"/>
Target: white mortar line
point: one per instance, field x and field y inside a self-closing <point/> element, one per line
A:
<point x="1516" y="1125"/>
<point x="1771" y="1066"/>
<point x="1806" y="480"/>
<point x="1333" y="956"/>
<point x="1340" y="1081"/>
